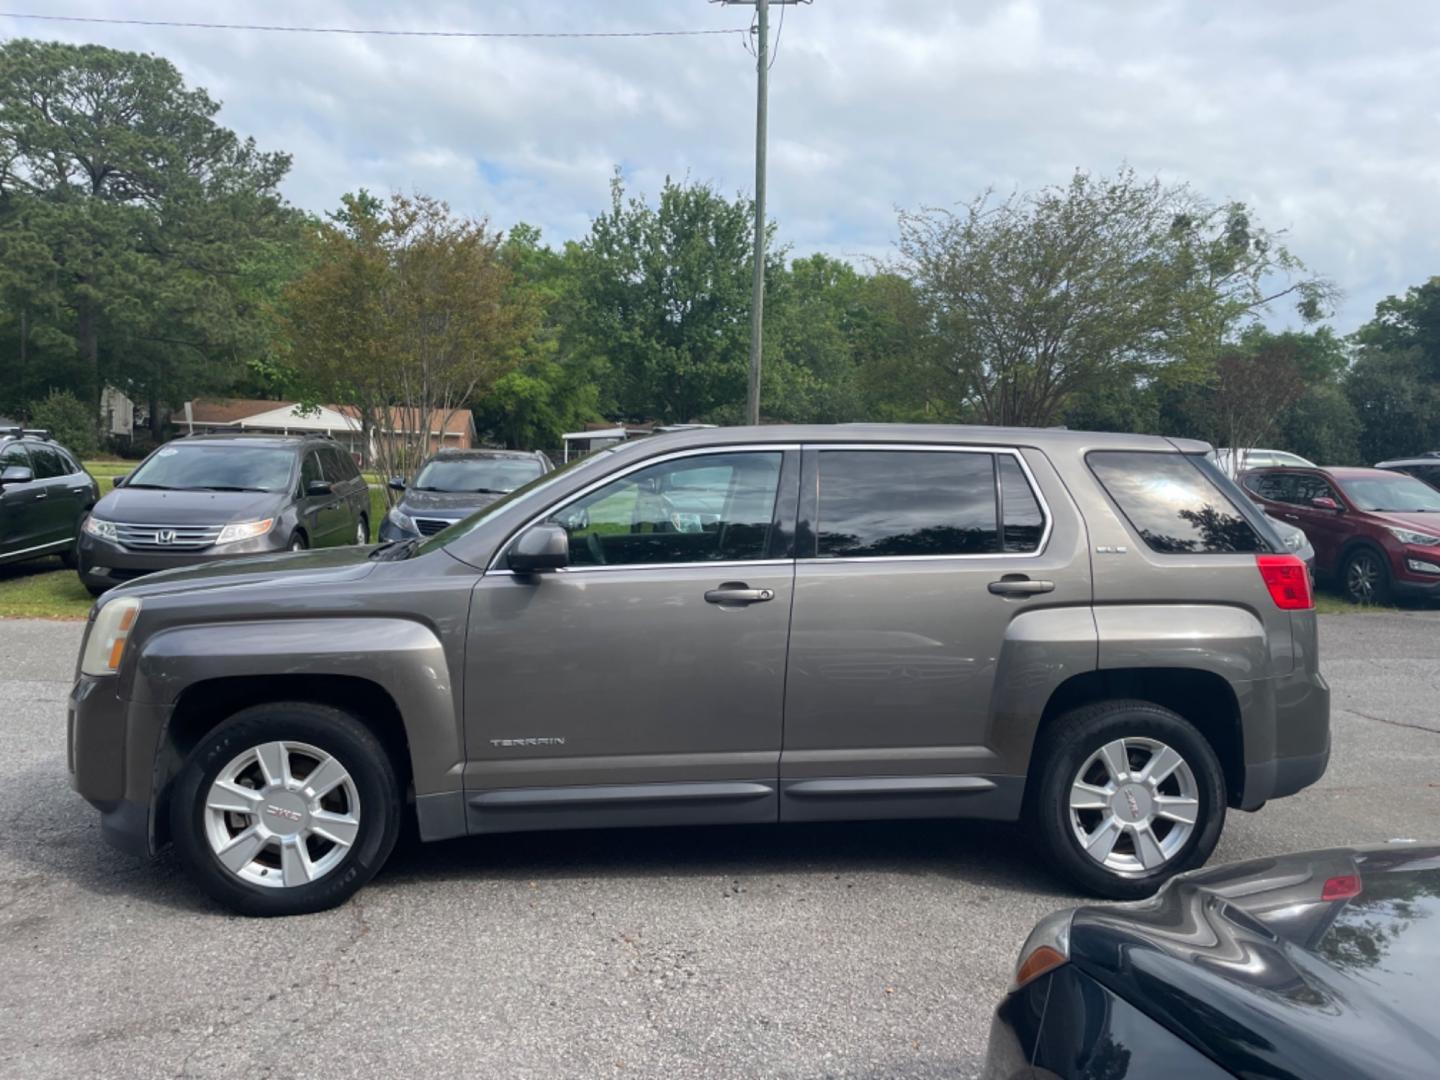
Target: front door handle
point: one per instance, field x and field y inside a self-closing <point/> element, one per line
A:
<point x="737" y="592"/>
<point x="1291" y="517"/>
<point x="1020" y="586"/>
<point x="42" y="494"/>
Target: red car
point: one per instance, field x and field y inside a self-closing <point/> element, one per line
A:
<point x="1375" y="532"/>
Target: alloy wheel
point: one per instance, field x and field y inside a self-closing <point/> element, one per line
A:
<point x="282" y="814"/>
<point x="1133" y="805"/>
<point x="1362" y="578"/>
<point x="362" y="532"/>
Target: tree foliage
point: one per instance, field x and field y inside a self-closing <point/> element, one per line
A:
<point x="407" y="312"/>
<point x="139" y="239"/>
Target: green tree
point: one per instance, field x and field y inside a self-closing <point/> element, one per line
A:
<point x="68" y="419"/>
<point x="407" y="313"/>
<point x="1397" y="403"/>
<point x="134" y="230"/>
<point x="1037" y="298"/>
<point x="663" y="300"/>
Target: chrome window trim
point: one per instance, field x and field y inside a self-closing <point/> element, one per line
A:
<point x="949" y="448"/>
<point x="717" y="564"/>
<point x="620" y="474"/>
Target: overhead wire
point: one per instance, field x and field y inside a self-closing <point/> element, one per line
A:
<point x="373" y="31"/>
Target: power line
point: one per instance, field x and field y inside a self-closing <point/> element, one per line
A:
<point x="369" y="30"/>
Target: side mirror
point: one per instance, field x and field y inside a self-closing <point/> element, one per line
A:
<point x="16" y="474"/>
<point x="119" y="481"/>
<point x="1324" y="502"/>
<point x="319" y="487"/>
<point x="395" y="484"/>
<point x="544" y="547"/>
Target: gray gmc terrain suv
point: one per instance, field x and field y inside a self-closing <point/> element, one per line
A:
<point x="1097" y="634"/>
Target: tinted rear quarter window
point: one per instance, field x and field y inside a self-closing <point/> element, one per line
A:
<point x="906" y="502"/>
<point x="1024" y="521"/>
<point x="1174" y="506"/>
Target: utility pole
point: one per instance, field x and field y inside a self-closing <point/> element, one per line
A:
<point x="757" y="289"/>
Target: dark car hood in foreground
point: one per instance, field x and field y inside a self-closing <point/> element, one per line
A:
<point x="1253" y="967"/>
<point x="447" y="504"/>
<point x="146" y="506"/>
<point x="329" y="566"/>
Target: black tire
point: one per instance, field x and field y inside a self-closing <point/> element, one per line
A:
<point x="328" y="729"/>
<point x="1070" y="743"/>
<point x="362" y="528"/>
<point x="1365" y="577"/>
<point x="70" y="557"/>
<point x="96" y="591"/>
<point x="298" y="542"/>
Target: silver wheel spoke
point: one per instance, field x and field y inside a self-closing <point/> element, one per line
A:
<point x="237" y="854"/>
<point x="1102" y="840"/>
<point x="1085" y="796"/>
<point x="340" y="828"/>
<point x="1117" y="762"/>
<point x="323" y="778"/>
<point x="232" y="798"/>
<point x="274" y="763"/>
<point x="295" y="865"/>
<point x="1177" y="808"/>
<point x="1147" y="848"/>
<point x="1159" y="767"/>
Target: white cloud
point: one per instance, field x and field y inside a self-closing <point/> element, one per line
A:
<point x="1322" y="115"/>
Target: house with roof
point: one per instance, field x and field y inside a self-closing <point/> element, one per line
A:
<point x="452" y="431"/>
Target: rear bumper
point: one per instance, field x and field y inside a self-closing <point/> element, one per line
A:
<point x="1299" y="742"/>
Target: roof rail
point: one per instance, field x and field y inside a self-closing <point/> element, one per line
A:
<point x="26" y="433"/>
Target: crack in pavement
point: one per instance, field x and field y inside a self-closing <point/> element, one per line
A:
<point x="1392" y="723"/>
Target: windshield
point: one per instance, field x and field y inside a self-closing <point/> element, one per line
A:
<point x="490" y="474"/>
<point x="539" y="484"/>
<point x="222" y="466"/>
<point x="1395" y="493"/>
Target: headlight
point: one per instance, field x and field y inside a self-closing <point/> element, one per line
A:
<point x="104" y="530"/>
<point x="1047" y="947"/>
<point x="402" y="520"/>
<point x="1410" y="536"/>
<point x="105" y="647"/>
<point x="1294" y="540"/>
<point x="244" y="530"/>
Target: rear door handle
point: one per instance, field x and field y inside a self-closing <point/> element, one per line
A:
<point x="737" y="592"/>
<point x="1020" y="587"/>
<point x="42" y="494"/>
<point x="1291" y="517"/>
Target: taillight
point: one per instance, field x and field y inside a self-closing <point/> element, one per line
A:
<point x="1288" y="581"/>
<point x="1344" y="887"/>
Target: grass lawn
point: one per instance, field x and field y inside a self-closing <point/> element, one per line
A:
<point x="42" y="589"/>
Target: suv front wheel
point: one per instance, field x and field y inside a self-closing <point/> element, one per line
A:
<point x="1129" y="794"/>
<point x="285" y="808"/>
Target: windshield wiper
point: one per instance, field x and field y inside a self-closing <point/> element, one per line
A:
<point x="427" y="487"/>
<point x="396" y="550"/>
<point x="151" y="487"/>
<point x="490" y="491"/>
<point x="222" y="487"/>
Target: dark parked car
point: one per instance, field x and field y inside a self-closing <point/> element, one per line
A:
<point x="1376" y="533"/>
<point x="1096" y="633"/>
<point x="454" y="484"/>
<point x="1304" y="967"/>
<point x="44" y="495"/>
<point x="210" y="497"/>
<point x="1425" y="467"/>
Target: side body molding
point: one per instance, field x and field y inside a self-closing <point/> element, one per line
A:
<point x="403" y="657"/>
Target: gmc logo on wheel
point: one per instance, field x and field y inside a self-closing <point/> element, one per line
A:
<point x="281" y="812"/>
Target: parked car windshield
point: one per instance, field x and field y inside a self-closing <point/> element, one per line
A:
<point x="222" y="467"/>
<point x="526" y="491"/>
<point x="495" y="474"/>
<point x="1396" y="494"/>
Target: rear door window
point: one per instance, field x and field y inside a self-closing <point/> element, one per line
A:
<point x="886" y="503"/>
<point x="1019" y="509"/>
<point x="1277" y="487"/>
<point x="333" y="465"/>
<point x="1174" y="507"/>
<point x="48" y="463"/>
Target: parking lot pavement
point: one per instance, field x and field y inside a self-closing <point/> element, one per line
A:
<point x="849" y="950"/>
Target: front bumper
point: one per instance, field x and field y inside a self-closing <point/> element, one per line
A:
<point x="110" y="752"/>
<point x="102" y="564"/>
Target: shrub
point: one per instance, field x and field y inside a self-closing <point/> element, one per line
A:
<point x="69" y="419"/>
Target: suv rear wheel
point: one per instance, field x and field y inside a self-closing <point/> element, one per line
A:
<point x="1127" y="795"/>
<point x="285" y="808"/>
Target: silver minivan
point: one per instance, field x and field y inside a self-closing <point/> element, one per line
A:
<point x="1096" y="634"/>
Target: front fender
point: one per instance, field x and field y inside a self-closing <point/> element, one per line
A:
<point x="400" y="656"/>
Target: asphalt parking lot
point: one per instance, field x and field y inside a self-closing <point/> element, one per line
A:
<point x="848" y="950"/>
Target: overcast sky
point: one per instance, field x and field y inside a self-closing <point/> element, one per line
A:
<point x="1324" y="117"/>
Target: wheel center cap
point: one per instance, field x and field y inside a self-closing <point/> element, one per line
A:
<point x="284" y="812"/>
<point x="1132" y="803"/>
